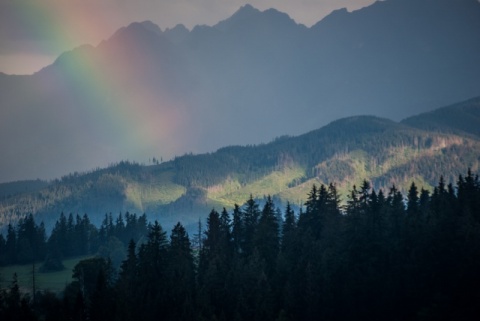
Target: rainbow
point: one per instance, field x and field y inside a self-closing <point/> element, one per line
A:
<point x="135" y="125"/>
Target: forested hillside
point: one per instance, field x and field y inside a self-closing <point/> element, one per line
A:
<point x="384" y="255"/>
<point x="344" y="152"/>
<point x="459" y="118"/>
<point x="254" y="76"/>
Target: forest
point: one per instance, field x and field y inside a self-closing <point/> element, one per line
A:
<point x="187" y="187"/>
<point x="375" y="255"/>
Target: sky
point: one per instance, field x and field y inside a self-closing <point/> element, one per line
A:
<point x="33" y="33"/>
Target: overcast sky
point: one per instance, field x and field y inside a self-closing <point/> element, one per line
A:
<point x="34" y="32"/>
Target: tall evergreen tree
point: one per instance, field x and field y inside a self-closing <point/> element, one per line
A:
<point x="180" y="276"/>
<point x="26" y="240"/>
<point x="251" y="214"/>
<point x="152" y="270"/>
<point x="212" y="269"/>
<point x="3" y="251"/>
<point x="312" y="201"/>
<point x="266" y="237"/>
<point x="213" y="235"/>
<point x="289" y="226"/>
<point x="226" y="235"/>
<point x="238" y="229"/>
<point x="396" y="216"/>
<point x="11" y="245"/>
<point x="129" y="267"/>
<point x="102" y="305"/>
<point x="40" y="242"/>
<point x="127" y="285"/>
<point x="413" y="201"/>
<point x="469" y="194"/>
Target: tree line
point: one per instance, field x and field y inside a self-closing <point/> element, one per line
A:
<point x="376" y="256"/>
<point x="71" y="236"/>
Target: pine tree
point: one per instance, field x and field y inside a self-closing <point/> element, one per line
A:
<point x="469" y="194"/>
<point x="413" y="216"/>
<point x="238" y="236"/>
<point x="251" y="214"/>
<point x="11" y="245"/>
<point x="213" y="235"/>
<point x="3" y="251"/>
<point x="424" y="203"/>
<point x="102" y="299"/>
<point x="396" y="216"/>
<point x="180" y="276"/>
<point x="40" y="242"/>
<point x="312" y="201"/>
<point x="213" y="269"/>
<point x="226" y="235"/>
<point x="413" y="200"/>
<point x="26" y="240"/>
<point x="129" y="267"/>
<point x="152" y="262"/>
<point x="16" y="306"/>
<point x="289" y="226"/>
<point x="127" y="290"/>
<point x="266" y="237"/>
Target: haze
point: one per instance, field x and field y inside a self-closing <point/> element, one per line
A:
<point x="34" y="33"/>
<point x="248" y="75"/>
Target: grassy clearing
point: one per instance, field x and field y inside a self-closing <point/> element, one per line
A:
<point x="271" y="184"/>
<point x="52" y="281"/>
<point x="161" y="191"/>
<point x="297" y="195"/>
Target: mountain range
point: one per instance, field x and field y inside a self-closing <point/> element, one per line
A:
<point x="256" y="75"/>
<point x="418" y="149"/>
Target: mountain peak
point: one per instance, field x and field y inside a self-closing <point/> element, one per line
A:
<point x="249" y="15"/>
<point x="143" y="34"/>
<point x="246" y="11"/>
<point x="151" y="27"/>
<point x="178" y="28"/>
<point x="136" y="28"/>
<point x="177" y="34"/>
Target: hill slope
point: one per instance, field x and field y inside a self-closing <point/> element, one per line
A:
<point x="146" y="91"/>
<point x="344" y="152"/>
<point x="460" y="118"/>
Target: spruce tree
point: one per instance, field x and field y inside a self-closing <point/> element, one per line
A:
<point x="3" y="251"/>
<point x="238" y="230"/>
<point x="180" y="276"/>
<point x="212" y="270"/>
<point x="266" y="237"/>
<point x="127" y="285"/>
<point x="289" y="226"/>
<point x="251" y="214"/>
<point x="152" y="262"/>
<point x="11" y="245"/>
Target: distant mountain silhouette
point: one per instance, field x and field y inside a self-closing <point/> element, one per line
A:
<point x="245" y="80"/>
<point x="344" y="152"/>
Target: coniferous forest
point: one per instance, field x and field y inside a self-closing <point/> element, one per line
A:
<point x="376" y="255"/>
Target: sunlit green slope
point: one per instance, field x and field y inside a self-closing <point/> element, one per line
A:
<point x="345" y="152"/>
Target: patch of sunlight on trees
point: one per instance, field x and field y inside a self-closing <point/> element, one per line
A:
<point x="271" y="184"/>
<point x="161" y="191"/>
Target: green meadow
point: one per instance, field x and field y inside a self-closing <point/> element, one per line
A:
<point x="52" y="281"/>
